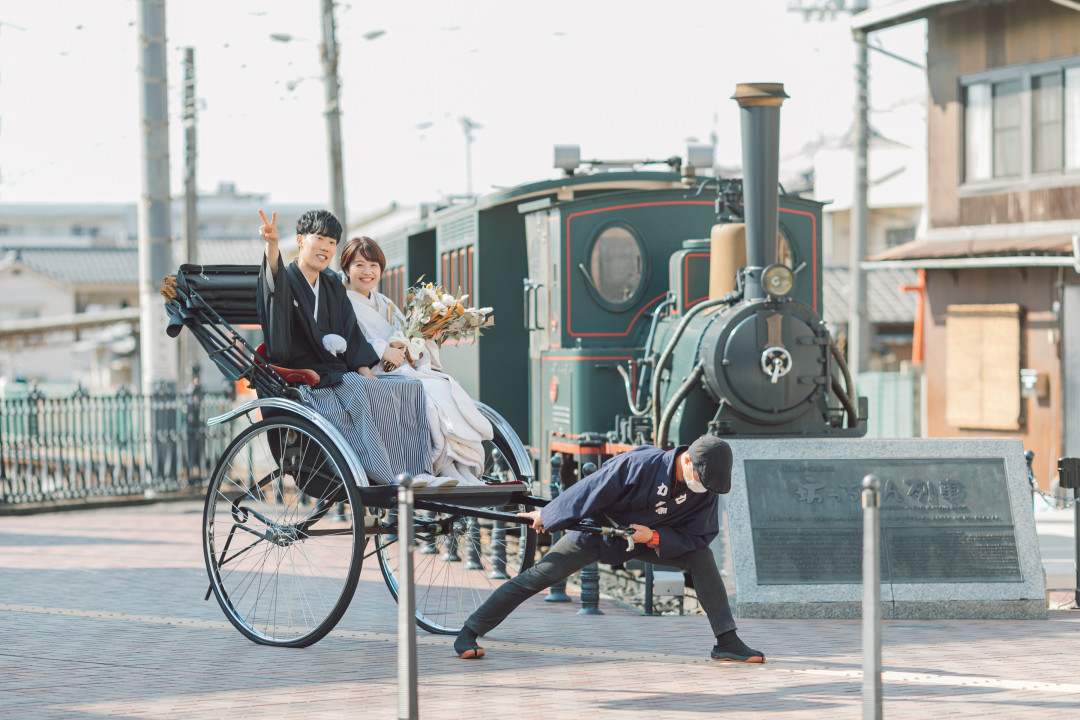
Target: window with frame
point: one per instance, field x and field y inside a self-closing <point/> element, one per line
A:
<point x="1022" y="123"/>
<point x="615" y="269"/>
<point x="457" y="271"/>
<point x="393" y="285"/>
<point x="899" y="236"/>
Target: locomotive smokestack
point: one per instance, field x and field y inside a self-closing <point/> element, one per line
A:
<point x="759" y="110"/>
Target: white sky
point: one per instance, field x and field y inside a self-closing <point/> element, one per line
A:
<point x="621" y="78"/>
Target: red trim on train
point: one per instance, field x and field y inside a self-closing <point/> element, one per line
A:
<point x="566" y="269"/>
<point x="813" y="231"/>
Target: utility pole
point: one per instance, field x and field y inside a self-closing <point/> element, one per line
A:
<point x="468" y="126"/>
<point x="329" y="51"/>
<point x="858" y="329"/>
<point x="191" y="198"/>
<point x="158" y="352"/>
<point x="858" y="348"/>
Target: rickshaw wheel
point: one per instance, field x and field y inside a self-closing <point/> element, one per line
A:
<point x="283" y="533"/>
<point x="457" y="566"/>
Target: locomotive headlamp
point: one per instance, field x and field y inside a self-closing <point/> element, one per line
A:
<point x="778" y="280"/>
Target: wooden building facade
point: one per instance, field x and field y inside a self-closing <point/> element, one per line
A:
<point x="1001" y="321"/>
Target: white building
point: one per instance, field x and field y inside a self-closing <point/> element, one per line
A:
<point x="62" y="264"/>
<point x="896" y="192"/>
<point x="223" y="214"/>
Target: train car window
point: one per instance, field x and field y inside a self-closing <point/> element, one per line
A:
<point x="468" y="275"/>
<point x="397" y="284"/>
<point x="616" y="263"/>
<point x="460" y="286"/>
<point x="455" y="281"/>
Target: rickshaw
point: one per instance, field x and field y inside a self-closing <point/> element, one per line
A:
<point x="290" y="515"/>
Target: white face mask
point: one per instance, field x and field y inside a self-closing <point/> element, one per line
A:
<point x="691" y="480"/>
<point x="695" y="486"/>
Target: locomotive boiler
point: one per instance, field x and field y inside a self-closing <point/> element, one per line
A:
<point x="754" y="359"/>
<point x="642" y="306"/>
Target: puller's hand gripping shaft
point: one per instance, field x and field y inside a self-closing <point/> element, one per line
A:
<point x="615" y="530"/>
<point x="623" y="532"/>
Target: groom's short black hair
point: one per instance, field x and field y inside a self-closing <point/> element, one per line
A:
<point x="319" y="222"/>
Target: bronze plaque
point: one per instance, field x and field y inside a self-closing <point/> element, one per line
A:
<point x="942" y="520"/>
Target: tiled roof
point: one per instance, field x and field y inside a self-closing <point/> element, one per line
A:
<point x="119" y="266"/>
<point x="886" y="302"/>
<point x="78" y="266"/>
<point x="235" y="252"/>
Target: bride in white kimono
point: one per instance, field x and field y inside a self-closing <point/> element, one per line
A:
<point x="458" y="429"/>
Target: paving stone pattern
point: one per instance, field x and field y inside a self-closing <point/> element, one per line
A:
<point x="102" y="616"/>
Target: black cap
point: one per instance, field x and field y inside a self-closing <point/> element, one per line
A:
<point x="711" y="458"/>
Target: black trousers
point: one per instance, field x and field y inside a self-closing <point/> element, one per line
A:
<point x="566" y="557"/>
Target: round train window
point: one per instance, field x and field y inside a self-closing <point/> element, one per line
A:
<point x="616" y="266"/>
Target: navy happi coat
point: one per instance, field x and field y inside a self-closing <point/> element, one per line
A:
<point x="637" y="487"/>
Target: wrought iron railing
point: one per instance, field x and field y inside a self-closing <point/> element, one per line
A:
<point x="86" y="447"/>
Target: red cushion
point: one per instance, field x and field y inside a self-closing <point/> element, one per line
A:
<point x="289" y="375"/>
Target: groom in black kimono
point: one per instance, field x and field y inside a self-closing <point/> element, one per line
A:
<point x="307" y="300"/>
<point x="308" y="323"/>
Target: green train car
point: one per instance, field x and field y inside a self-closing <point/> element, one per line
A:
<point x="605" y="333"/>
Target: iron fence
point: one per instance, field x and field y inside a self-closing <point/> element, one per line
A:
<point x="85" y="447"/>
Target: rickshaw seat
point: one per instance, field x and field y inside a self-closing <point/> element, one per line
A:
<point x="290" y="375"/>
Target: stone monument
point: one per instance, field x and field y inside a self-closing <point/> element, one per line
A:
<point x="957" y="528"/>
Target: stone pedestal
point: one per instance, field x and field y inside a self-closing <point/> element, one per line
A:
<point x="958" y="532"/>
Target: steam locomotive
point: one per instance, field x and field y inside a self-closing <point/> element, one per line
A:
<point x="642" y="306"/>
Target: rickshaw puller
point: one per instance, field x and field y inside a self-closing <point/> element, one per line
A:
<point x="671" y="501"/>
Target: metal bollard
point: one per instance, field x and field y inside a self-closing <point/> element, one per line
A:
<point x="408" y="706"/>
<point x="450" y="549"/>
<point x="473" y="538"/>
<point x="498" y="527"/>
<point x="590" y="574"/>
<point x="871" y="607"/>
<point x="557" y="592"/>
<point x="649" y="580"/>
<point x="498" y="551"/>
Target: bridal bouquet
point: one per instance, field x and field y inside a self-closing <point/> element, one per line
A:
<point x="431" y="312"/>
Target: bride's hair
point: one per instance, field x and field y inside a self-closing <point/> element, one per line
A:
<point x="363" y="247"/>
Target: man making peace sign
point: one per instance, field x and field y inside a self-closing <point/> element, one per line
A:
<point x="308" y="323"/>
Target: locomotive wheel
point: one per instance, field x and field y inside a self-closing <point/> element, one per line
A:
<point x="283" y="533"/>
<point x="458" y="560"/>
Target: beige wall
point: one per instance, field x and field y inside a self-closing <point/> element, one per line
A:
<point x="26" y="290"/>
<point x="879" y="222"/>
<point x="62" y="358"/>
<point x="1035" y="290"/>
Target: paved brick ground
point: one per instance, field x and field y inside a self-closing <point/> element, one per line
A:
<point x="101" y="615"/>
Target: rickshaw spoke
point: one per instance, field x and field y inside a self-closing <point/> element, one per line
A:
<point x="289" y="476"/>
